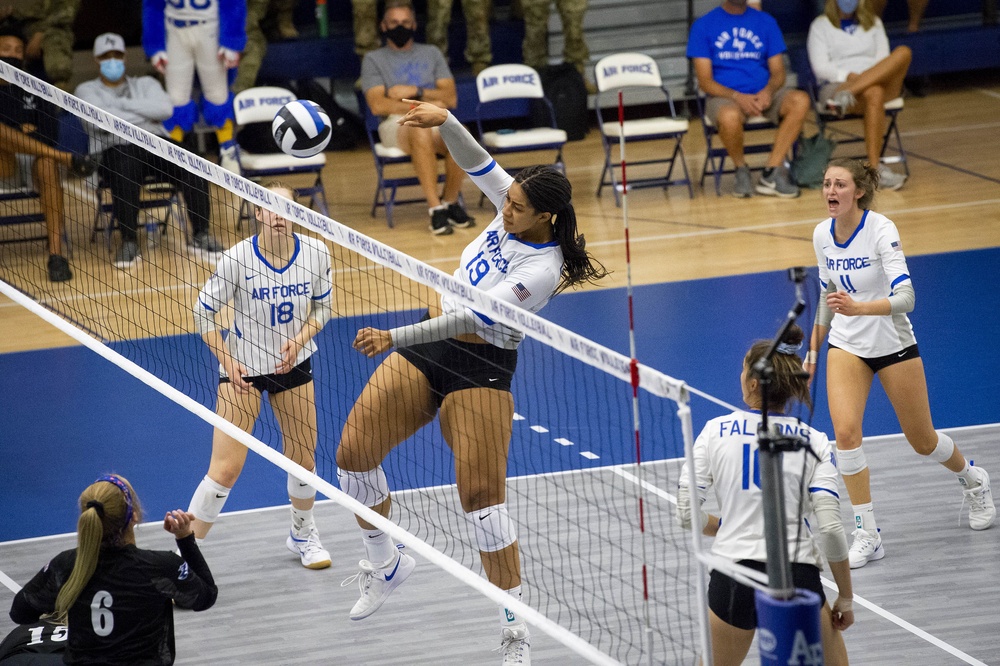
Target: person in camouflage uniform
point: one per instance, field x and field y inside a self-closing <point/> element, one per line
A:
<point x="256" y="48"/>
<point x="477" y="26"/>
<point x="366" y="20"/>
<point x="535" y="49"/>
<point x="48" y="34"/>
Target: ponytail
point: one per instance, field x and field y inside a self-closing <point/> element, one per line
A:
<point x="549" y="191"/>
<point x="108" y="510"/>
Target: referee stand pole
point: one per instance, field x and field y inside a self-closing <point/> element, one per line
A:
<point x="788" y="631"/>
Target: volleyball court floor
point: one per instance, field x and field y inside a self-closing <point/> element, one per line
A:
<point x="924" y="602"/>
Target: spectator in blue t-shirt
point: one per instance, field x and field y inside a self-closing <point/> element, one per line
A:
<point x="738" y="55"/>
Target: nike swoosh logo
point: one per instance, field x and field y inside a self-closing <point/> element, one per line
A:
<point x="493" y="380"/>
<point x="250" y="277"/>
<point x="392" y="575"/>
<point x="217" y="496"/>
<point x="482" y="518"/>
<point x="901" y="354"/>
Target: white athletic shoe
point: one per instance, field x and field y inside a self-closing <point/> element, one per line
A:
<point x="308" y="548"/>
<point x="515" y="646"/>
<point x="866" y="548"/>
<point x="377" y="583"/>
<point x="982" y="512"/>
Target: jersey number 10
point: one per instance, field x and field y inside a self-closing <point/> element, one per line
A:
<point x="751" y="467"/>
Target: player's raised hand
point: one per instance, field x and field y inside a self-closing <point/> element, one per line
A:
<point x="159" y="61"/>
<point x="229" y="57"/>
<point x="423" y="114"/>
<point x="372" y="341"/>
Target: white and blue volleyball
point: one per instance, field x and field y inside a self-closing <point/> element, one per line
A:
<point x="301" y="128"/>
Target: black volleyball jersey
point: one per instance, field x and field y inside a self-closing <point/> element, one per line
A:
<point x="125" y="613"/>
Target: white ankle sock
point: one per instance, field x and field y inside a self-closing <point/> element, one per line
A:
<point x="970" y="476"/>
<point x="379" y="546"/>
<point x="507" y="616"/>
<point x="864" y="518"/>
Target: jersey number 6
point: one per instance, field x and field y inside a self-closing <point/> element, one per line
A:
<point x="100" y="613"/>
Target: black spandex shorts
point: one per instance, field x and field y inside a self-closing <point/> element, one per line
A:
<point x="274" y="383"/>
<point x="451" y="365"/>
<point x="734" y="602"/>
<point x="880" y="362"/>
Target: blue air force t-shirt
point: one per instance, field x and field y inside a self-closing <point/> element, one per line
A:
<point x="738" y="45"/>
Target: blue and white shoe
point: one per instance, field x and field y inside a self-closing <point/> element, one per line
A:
<point x="866" y="548"/>
<point x="377" y="583"/>
<point x="306" y="545"/>
<point x="515" y="646"/>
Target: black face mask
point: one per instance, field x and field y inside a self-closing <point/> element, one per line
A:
<point x="400" y="35"/>
<point x="13" y="62"/>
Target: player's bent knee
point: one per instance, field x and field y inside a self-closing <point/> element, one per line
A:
<point x="494" y="528"/>
<point x="851" y="461"/>
<point x="371" y="488"/>
<point x="942" y="450"/>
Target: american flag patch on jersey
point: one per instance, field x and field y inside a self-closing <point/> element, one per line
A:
<point x="896" y="245"/>
<point x="521" y="291"/>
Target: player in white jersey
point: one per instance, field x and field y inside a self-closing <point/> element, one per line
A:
<point x="280" y="286"/>
<point x="181" y="37"/>
<point x="867" y="292"/>
<point x="461" y="363"/>
<point x="725" y="462"/>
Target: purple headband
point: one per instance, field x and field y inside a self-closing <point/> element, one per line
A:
<point x="128" y="495"/>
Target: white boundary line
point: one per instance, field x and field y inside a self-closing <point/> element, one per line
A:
<point x="913" y="629"/>
<point x="988" y="93"/>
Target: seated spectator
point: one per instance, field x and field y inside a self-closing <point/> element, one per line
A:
<point x="29" y="132"/>
<point x="124" y="165"/>
<point x="117" y="599"/>
<point x="48" y="36"/>
<point x="849" y="54"/>
<point x="477" y="30"/>
<point x="404" y="70"/>
<point x="738" y="55"/>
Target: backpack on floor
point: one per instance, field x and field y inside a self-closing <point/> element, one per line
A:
<point x="564" y="87"/>
<point x="811" y="159"/>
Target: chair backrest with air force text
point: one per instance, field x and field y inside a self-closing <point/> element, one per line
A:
<point x="508" y="82"/>
<point x="627" y="70"/>
<point x="259" y="105"/>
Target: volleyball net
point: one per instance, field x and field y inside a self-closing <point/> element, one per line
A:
<point x="606" y="569"/>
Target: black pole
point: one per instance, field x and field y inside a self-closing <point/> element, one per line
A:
<point x="771" y="447"/>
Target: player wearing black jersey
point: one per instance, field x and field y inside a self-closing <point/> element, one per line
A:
<point x="116" y="598"/>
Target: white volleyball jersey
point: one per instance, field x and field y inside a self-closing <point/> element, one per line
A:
<point x="868" y="267"/>
<point x="726" y="461"/>
<point x="270" y="303"/>
<point x="191" y="10"/>
<point x="510" y="269"/>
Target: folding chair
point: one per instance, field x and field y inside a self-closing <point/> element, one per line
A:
<point x="16" y="207"/>
<point x="825" y="118"/>
<point x="716" y="156"/>
<point x="260" y="105"/>
<point x="637" y="77"/>
<point x="385" y="159"/>
<point x="500" y="88"/>
<point x="154" y="194"/>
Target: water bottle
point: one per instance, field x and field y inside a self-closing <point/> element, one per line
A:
<point x="321" y="18"/>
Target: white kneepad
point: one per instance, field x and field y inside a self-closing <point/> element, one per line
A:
<point x="299" y="489"/>
<point x="944" y="449"/>
<point x="208" y="500"/>
<point x="851" y="461"/>
<point x="371" y="488"/>
<point x="494" y="528"/>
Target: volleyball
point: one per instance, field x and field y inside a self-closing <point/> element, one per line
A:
<point x="301" y="128"/>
